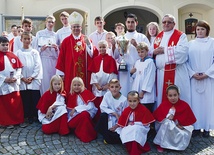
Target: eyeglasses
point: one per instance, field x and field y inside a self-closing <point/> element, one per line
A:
<point x="167" y="22"/>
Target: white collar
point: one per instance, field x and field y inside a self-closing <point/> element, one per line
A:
<point x="76" y="37"/>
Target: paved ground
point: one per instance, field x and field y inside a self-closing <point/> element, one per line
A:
<point x="31" y="140"/>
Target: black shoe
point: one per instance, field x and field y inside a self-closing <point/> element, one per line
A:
<point x="206" y="134"/>
<point x="30" y="120"/>
<point x="196" y="133"/>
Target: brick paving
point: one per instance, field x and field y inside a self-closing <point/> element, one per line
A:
<point x="32" y="141"/>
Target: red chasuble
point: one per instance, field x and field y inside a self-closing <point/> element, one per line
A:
<point x="109" y="64"/>
<point x="86" y="97"/>
<point x="183" y="112"/>
<point x="169" y="70"/>
<point x="47" y="100"/>
<point x="73" y="60"/>
<point x="141" y="114"/>
<point x="14" y="60"/>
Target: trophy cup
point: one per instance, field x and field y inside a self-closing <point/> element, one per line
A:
<point x="123" y="46"/>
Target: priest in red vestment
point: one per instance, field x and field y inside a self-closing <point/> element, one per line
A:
<point x="76" y="53"/>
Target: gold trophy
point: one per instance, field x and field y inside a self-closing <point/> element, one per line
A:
<point x="123" y="43"/>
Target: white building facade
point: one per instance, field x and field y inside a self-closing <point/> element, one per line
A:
<point x="112" y="11"/>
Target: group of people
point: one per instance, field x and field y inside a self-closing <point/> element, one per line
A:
<point x="115" y="85"/>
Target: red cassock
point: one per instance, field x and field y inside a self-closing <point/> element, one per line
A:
<point x="11" y="104"/>
<point x="60" y="124"/>
<point x="183" y="112"/>
<point x="82" y="122"/>
<point x="143" y="115"/>
<point x="74" y="60"/>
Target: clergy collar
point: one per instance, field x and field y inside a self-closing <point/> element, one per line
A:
<point x="76" y="37"/>
<point x="129" y="33"/>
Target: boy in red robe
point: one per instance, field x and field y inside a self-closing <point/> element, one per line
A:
<point x="10" y="99"/>
<point x="103" y="68"/>
<point x="81" y="110"/>
<point x="134" y="122"/>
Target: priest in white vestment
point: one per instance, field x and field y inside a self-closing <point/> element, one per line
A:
<point x="171" y="54"/>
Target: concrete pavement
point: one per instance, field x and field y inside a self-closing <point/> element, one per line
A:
<point x="32" y="141"/>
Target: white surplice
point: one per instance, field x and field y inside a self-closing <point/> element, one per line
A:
<point x="111" y="105"/>
<point x="18" y="44"/>
<point x="95" y="37"/>
<point x="135" y="132"/>
<point x="102" y="79"/>
<point x="169" y="136"/>
<point x="32" y="67"/>
<point x="62" y="34"/>
<point x="130" y="57"/>
<point x="181" y="72"/>
<point x="48" y="57"/>
<point x="9" y="71"/>
<point x="90" y="108"/>
<point x="144" y="79"/>
<point x="59" y="110"/>
<point x="201" y="60"/>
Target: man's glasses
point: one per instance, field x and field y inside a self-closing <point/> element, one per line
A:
<point x="167" y="22"/>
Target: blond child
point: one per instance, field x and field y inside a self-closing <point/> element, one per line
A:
<point x="143" y="75"/>
<point x="103" y="69"/>
<point x="81" y="110"/>
<point x="52" y="112"/>
<point x="152" y="30"/>
<point x="110" y="38"/>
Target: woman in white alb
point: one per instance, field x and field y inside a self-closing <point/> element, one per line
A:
<point x="201" y="71"/>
